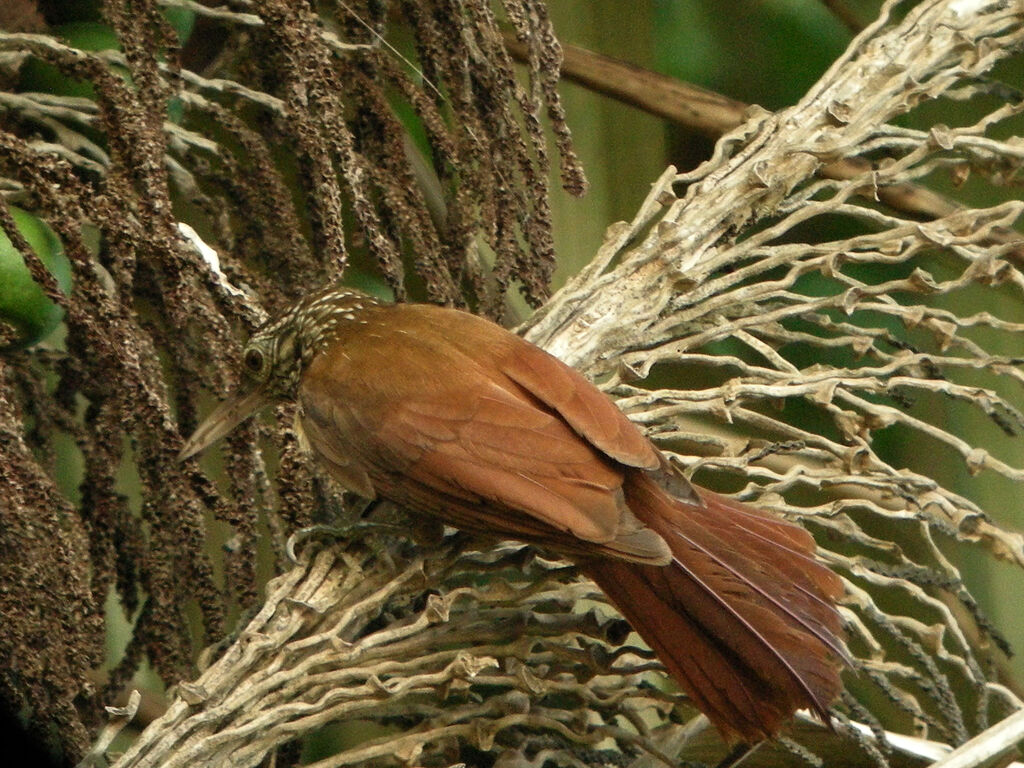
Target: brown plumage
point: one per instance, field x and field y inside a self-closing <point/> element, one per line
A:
<point x="451" y="415"/>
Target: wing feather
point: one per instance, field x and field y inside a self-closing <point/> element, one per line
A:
<point x="562" y="389"/>
<point x="541" y="468"/>
<point x="585" y="408"/>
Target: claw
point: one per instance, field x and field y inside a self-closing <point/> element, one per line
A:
<point x="344" y="533"/>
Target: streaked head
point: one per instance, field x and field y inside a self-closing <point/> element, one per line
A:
<point x="275" y="356"/>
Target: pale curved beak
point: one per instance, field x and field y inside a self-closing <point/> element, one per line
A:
<point x="225" y="417"/>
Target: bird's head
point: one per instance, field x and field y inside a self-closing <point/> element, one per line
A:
<point x="275" y="356"/>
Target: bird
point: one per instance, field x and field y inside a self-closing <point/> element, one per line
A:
<point x="452" y="416"/>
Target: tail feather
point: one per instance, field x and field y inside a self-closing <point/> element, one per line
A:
<point x="743" y="617"/>
<point x="810" y="597"/>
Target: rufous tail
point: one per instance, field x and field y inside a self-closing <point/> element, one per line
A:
<point x="744" y="617"/>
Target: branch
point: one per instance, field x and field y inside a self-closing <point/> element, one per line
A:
<point x="316" y="653"/>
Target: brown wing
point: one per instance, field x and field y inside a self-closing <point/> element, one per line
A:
<point x="432" y="427"/>
<point x="583" y="406"/>
<point x="564" y="390"/>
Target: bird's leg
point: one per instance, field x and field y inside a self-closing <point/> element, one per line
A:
<point x="354" y="525"/>
<point x="368" y="507"/>
<point x="738" y="754"/>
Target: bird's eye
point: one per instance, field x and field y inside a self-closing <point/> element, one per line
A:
<point x="254" y="360"/>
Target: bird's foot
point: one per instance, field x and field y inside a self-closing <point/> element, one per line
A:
<point x="346" y="532"/>
<point x="738" y="754"/>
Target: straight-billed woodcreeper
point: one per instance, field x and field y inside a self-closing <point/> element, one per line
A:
<point x="447" y="414"/>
